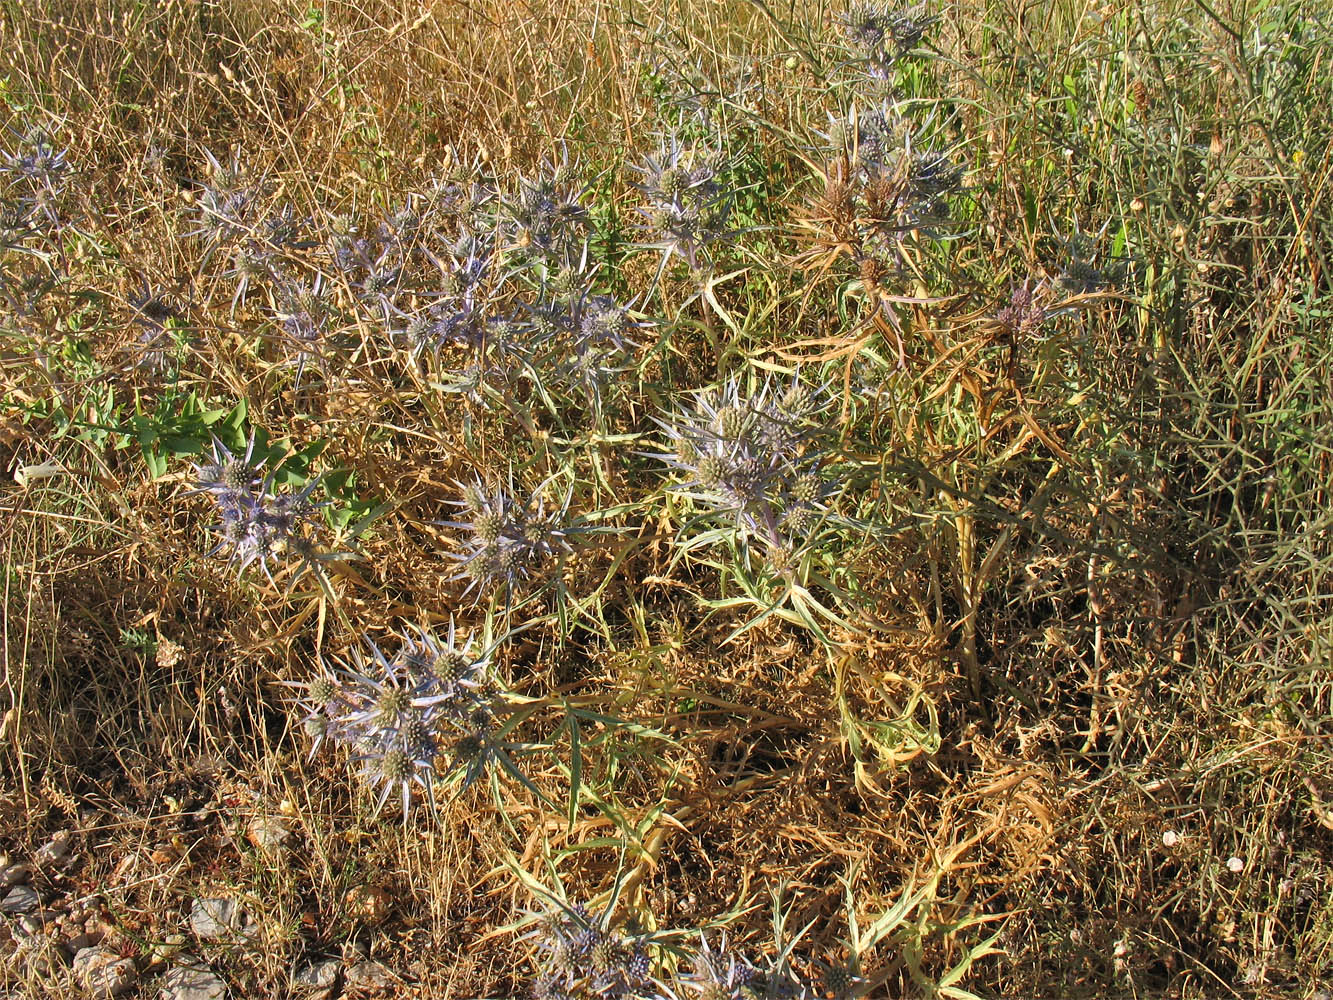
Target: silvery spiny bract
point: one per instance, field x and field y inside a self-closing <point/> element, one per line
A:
<point x="510" y="538"/>
<point x="258" y="524"/>
<point x="304" y="313"/>
<point x="575" y="340"/>
<point x="687" y="207"/>
<point x="425" y="713"/>
<point x="581" y="957"/>
<point x="228" y="203"/>
<point x="890" y="181"/>
<point x="755" y="456"/>
<point x="883" y="34"/>
<point x="36" y="172"/>
<point x="545" y="221"/>
<point x="1086" y="269"/>
<point x="717" y="975"/>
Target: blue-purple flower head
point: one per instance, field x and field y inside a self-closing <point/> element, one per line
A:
<point x="755" y="456"/>
<point x="229" y="202"/>
<point x="686" y="206"/>
<point x="545" y="220"/>
<point x="580" y="955"/>
<point x="259" y="524"/>
<point x="36" y="172"/>
<point x="883" y="34"/>
<point x="509" y="538"/>
<point x="717" y="974"/>
<point x="409" y="718"/>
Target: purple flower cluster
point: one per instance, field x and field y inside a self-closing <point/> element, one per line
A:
<point x="424" y="713"/>
<point x="687" y="207"/>
<point x="510" y="538"/>
<point x="754" y="456"/>
<point x="884" y="35"/>
<point x="898" y="184"/>
<point x="36" y="172"/>
<point x="545" y="222"/>
<point x="582" y="957"/>
<point x="258" y="524"/>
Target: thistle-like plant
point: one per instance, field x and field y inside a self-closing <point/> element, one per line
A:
<point x="753" y="457"/>
<point x="36" y="172"/>
<point x="258" y="523"/>
<point x="510" y="538"/>
<point x="581" y="957"/>
<point x="304" y="314"/>
<point x="424" y="716"/>
<point x="686" y="206"/>
<point x="885" y="183"/>
<point x="545" y="221"/>
<point x="882" y="34"/>
<point x="1085" y="267"/>
<point x="1026" y="310"/>
<point x="228" y="203"/>
<point x="717" y="974"/>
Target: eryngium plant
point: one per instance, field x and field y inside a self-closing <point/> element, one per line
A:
<point x="510" y="538"/>
<point x="754" y="458"/>
<point x="582" y="958"/>
<point x="545" y="222"/>
<point x="259" y="524"/>
<point x="686" y="205"/>
<point x="419" y="719"/>
<point x="35" y="174"/>
<point x="882" y="34"/>
<point x="884" y="184"/>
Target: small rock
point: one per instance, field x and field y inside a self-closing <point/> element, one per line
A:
<point x="84" y="935"/>
<point x="35" y="923"/>
<point x="165" y="951"/>
<point x="21" y="899"/>
<point x="268" y="834"/>
<point x="218" y="918"/>
<point x="320" y="976"/>
<point x="54" y="850"/>
<point x="369" y="904"/>
<point x="14" y="874"/>
<point x="38" y="952"/>
<point x="103" y="973"/>
<point x="367" y="978"/>
<point x="193" y="980"/>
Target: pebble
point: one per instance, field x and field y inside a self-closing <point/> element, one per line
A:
<point x="14" y="874"/>
<point x="268" y="834"/>
<point x="321" y="975"/>
<point x="368" y="977"/>
<point x="219" y="917"/>
<point x="369" y="904"/>
<point x="193" y="980"/>
<point x="103" y="973"/>
<point x="54" y="850"/>
<point x="21" y="899"/>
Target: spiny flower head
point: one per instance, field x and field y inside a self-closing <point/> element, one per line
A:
<point x="258" y="523"/>
<point x="882" y="34"/>
<point x="406" y="715"/>
<point x="754" y="455"/>
<point x="582" y="956"/>
<point x="686" y="205"/>
<point x="546" y="219"/>
<point x="717" y="974"/>
<point x="510" y="537"/>
<point x="228" y="203"/>
<point x="1026" y="309"/>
